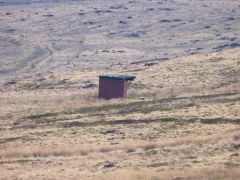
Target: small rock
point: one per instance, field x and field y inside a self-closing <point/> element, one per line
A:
<point x="234" y="154"/>
<point x="41" y="79"/>
<point x="149" y="64"/>
<point x="122" y="22"/>
<point x="10" y="30"/>
<point x="231" y="19"/>
<point x="236" y="146"/>
<point x="158" y="164"/>
<point x="190" y="157"/>
<point x="16" y="123"/>
<point x="165" y="21"/>
<point x="48" y="15"/>
<point x="113" y="143"/>
<point x="62" y="81"/>
<point x="91" y="85"/>
<point x="108" y="165"/>
<point x="109" y="131"/>
<point x="207" y="27"/>
<point x="10" y="83"/>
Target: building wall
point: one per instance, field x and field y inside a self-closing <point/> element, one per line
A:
<point x="112" y="88"/>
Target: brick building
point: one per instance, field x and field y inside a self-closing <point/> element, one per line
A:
<point x="113" y="86"/>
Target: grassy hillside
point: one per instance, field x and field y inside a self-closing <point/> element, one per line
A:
<point x="40" y="37"/>
<point x="186" y="58"/>
<point x="187" y="127"/>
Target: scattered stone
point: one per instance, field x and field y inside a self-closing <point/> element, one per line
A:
<point x="149" y="60"/>
<point x="48" y="15"/>
<point x="165" y="21"/>
<point x="132" y="2"/>
<point x="89" y="23"/>
<point x="113" y="143"/>
<point x="207" y="27"/>
<point x="122" y="22"/>
<point x="41" y="79"/>
<point x="10" y="30"/>
<point x="10" y="83"/>
<point x="109" y="131"/>
<point x="190" y="157"/>
<point x="150" y="9"/>
<point x="236" y="146"/>
<point x="234" y="154"/>
<point x="221" y="47"/>
<point x="150" y="64"/>
<point x="90" y="85"/>
<point x="165" y="9"/>
<point x="103" y="11"/>
<point x="108" y="164"/>
<point x="228" y="38"/>
<point x="133" y="35"/>
<point x="121" y="51"/>
<point x="112" y="131"/>
<point x="117" y="7"/>
<point x="231" y="19"/>
<point x="62" y="81"/>
<point x="233" y="45"/>
<point x="16" y="123"/>
<point x="176" y="20"/>
<point x="158" y="164"/>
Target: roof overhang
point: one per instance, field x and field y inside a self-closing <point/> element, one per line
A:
<point x="117" y="77"/>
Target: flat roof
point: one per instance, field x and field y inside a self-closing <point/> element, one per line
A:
<point x="117" y="77"/>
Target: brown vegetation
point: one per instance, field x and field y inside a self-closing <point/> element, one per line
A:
<point x="179" y="131"/>
<point x="181" y="118"/>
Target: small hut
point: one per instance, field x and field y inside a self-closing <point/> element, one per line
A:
<point x="113" y="86"/>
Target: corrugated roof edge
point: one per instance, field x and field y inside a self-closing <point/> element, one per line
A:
<point x="117" y="77"/>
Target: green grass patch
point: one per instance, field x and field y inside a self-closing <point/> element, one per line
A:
<point x="215" y="59"/>
<point x="36" y="116"/>
<point x="31" y="86"/>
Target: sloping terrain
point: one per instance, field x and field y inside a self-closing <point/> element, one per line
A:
<point x="45" y="36"/>
<point x="187" y="126"/>
<point x="181" y="118"/>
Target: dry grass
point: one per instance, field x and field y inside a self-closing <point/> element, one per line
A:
<point x="13" y="152"/>
<point x="52" y="124"/>
<point x="213" y="173"/>
<point x="186" y="127"/>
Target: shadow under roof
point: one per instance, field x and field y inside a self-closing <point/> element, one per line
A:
<point x="117" y="77"/>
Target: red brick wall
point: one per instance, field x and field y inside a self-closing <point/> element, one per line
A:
<point x="112" y="88"/>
